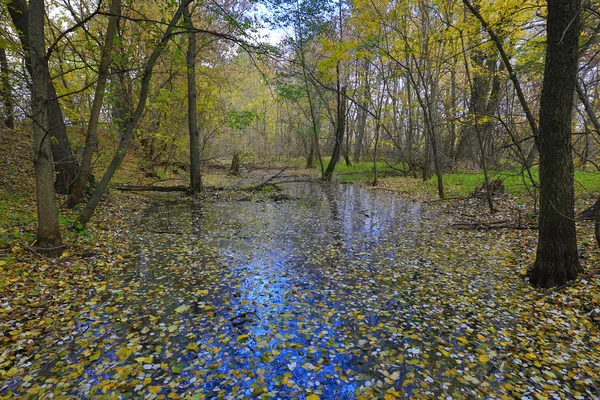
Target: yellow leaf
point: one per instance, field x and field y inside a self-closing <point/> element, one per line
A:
<point x="483" y="358"/>
<point x="95" y="356"/>
<point x="155" y="389"/>
<point x="202" y="291"/>
<point x="192" y="346"/>
<point x="313" y="397"/>
<point x="2" y="262"/>
<point x="286" y="378"/>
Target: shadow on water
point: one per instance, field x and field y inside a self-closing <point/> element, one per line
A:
<point x="249" y="299"/>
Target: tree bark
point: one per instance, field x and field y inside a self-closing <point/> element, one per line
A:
<point x="48" y="238"/>
<point x="195" y="173"/>
<point x="339" y="134"/>
<point x="65" y="164"/>
<point x="557" y="261"/>
<point x="6" y="91"/>
<point x="311" y="152"/>
<point x="91" y="138"/>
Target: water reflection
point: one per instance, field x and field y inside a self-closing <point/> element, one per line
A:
<point x="247" y="299"/>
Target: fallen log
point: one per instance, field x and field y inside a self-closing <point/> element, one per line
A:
<point x="129" y="188"/>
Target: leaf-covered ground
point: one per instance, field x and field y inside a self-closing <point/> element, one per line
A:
<point x="344" y="293"/>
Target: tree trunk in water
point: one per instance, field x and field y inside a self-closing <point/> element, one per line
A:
<point x="65" y="165"/>
<point x="557" y="261"/>
<point x="339" y="135"/>
<point x="195" y="173"/>
<point x="92" y="129"/>
<point x="48" y="238"/>
<point x="375" y="148"/>
<point x="6" y="91"/>
<point x="129" y="127"/>
<point x="347" y="145"/>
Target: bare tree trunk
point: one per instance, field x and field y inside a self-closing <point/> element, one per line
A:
<point x="475" y="110"/>
<point x="235" y="165"/>
<point x="6" y="91"/>
<point x="48" y="234"/>
<point x="375" y="148"/>
<point x="339" y="133"/>
<point x="347" y="144"/>
<point x="410" y="132"/>
<point x="129" y="127"/>
<point x="91" y="139"/>
<point x="452" y="140"/>
<point x="311" y="153"/>
<point x="195" y="173"/>
<point x="361" y="123"/>
<point x="557" y="261"/>
<point x="65" y="165"/>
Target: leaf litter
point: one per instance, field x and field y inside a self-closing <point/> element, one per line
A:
<point x="345" y="293"/>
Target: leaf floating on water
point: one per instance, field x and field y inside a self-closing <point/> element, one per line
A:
<point x="192" y="346"/>
<point x="182" y="308"/>
<point x="95" y="355"/>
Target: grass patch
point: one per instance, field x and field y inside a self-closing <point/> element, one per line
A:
<point x="363" y="171"/>
<point x="463" y="183"/>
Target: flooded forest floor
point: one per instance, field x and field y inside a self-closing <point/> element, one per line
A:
<point x="330" y="291"/>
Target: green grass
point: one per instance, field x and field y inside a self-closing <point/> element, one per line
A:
<point x="463" y="183"/>
<point x="363" y="171"/>
<point x="16" y="221"/>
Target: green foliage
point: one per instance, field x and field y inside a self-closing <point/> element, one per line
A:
<point x="240" y="120"/>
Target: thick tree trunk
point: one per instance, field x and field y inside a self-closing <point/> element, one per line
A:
<point x="65" y="165"/>
<point x="91" y="138"/>
<point x="131" y="124"/>
<point x="6" y="91"/>
<point x="195" y="173"/>
<point x="557" y="261"/>
<point x="48" y="238"/>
